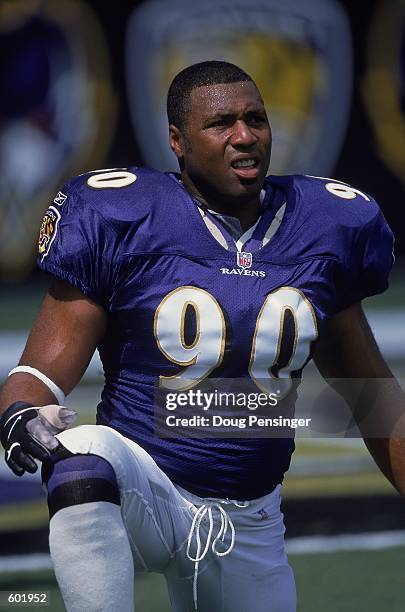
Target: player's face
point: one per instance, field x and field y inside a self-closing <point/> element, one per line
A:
<point x="226" y="143"/>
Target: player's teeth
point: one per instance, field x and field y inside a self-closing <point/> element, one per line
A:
<point x="244" y="163"/>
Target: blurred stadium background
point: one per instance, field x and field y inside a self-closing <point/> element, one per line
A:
<point x="83" y="87"/>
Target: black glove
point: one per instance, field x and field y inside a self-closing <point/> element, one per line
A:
<point x="28" y="432"/>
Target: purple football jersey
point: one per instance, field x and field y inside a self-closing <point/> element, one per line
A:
<point x="136" y="242"/>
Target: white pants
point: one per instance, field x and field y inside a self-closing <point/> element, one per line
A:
<point x="158" y="516"/>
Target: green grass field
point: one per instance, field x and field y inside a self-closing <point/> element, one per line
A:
<point x="355" y="581"/>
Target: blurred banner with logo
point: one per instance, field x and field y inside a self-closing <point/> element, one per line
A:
<point x="56" y="113"/>
<point x="331" y="73"/>
<point x="384" y="84"/>
<point x="299" y="54"/>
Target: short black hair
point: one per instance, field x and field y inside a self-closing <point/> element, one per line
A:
<point x="205" y="73"/>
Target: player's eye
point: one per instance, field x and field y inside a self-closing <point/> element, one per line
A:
<point x="256" y="119"/>
<point x="222" y="122"/>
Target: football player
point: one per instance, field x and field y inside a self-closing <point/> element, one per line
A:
<point x="214" y="272"/>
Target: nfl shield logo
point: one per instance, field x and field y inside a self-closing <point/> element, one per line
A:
<point x="244" y="260"/>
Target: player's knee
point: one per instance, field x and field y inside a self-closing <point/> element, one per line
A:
<point x="82" y="438"/>
<point x="93" y="439"/>
<point x="79" y="479"/>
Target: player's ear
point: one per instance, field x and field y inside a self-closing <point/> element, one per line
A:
<point x="176" y="141"/>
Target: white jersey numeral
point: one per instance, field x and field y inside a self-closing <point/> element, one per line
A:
<point x="117" y="179"/>
<point x="340" y="189"/>
<point x="205" y="353"/>
<point x="345" y="191"/>
<point x="268" y="336"/>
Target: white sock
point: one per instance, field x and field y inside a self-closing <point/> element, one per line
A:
<point x="92" y="558"/>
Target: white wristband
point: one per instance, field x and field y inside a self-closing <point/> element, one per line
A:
<point x="57" y="391"/>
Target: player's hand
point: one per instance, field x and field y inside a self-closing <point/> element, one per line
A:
<point x="28" y="432"/>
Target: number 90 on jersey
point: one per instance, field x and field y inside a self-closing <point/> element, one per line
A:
<point x="200" y="356"/>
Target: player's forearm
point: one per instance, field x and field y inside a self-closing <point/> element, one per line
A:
<point x="387" y="420"/>
<point x="378" y="407"/>
<point x="349" y="359"/>
<point x="389" y="454"/>
<point x="26" y="388"/>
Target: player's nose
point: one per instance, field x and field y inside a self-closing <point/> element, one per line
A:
<point x="242" y="135"/>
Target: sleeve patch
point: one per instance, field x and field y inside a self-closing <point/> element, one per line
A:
<point x="48" y="231"/>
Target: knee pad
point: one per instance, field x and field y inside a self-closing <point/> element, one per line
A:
<point x="78" y="479"/>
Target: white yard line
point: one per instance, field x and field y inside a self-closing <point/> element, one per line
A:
<point x="359" y="541"/>
<point x="25" y="563"/>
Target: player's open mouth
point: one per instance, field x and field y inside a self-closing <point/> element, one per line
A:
<point x="246" y="168"/>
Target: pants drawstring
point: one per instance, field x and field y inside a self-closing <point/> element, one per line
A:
<point x="226" y="523"/>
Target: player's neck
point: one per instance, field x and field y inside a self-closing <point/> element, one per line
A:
<point x="247" y="212"/>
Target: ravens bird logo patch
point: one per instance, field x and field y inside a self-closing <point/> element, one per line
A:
<point x="48" y="230"/>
